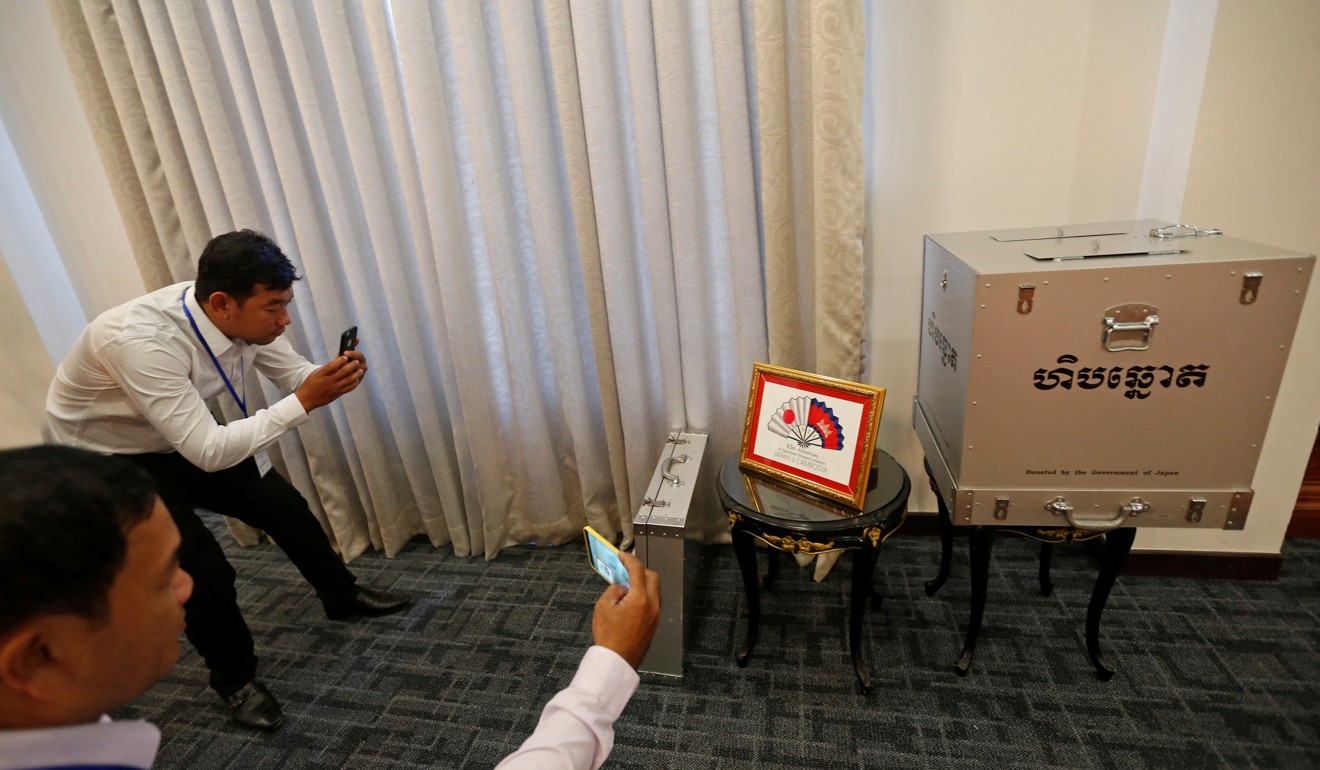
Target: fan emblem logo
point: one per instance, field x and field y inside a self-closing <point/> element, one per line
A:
<point x="807" y="422"/>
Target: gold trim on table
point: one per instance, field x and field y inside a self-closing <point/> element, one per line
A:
<point x="795" y="544"/>
<point x="1053" y="534"/>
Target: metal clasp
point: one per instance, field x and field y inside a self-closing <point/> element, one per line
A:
<point x="1026" y="298"/>
<point x="1136" y="506"/>
<point x="1059" y="507"/>
<point x="1129" y="327"/>
<point x="1001" y="508"/>
<point x="655" y="503"/>
<point x="1250" y="288"/>
<point x="1195" y="509"/>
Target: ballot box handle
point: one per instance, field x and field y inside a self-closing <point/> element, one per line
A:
<point x="1059" y="506"/>
<point x="1129" y="327"/>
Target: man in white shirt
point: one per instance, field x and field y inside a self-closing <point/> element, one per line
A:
<point x="91" y="607"/>
<point x="136" y="384"/>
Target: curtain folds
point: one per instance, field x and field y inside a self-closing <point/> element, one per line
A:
<point x="809" y="95"/>
<point x="543" y="217"/>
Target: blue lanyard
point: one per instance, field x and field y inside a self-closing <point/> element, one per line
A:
<point x="242" y="402"/>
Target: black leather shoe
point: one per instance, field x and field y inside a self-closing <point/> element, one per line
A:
<point x="254" y="706"/>
<point x="366" y="602"/>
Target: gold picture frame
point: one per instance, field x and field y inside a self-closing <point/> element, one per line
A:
<point x="811" y="431"/>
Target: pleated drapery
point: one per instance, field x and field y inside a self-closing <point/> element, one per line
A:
<point x="809" y="96"/>
<point x="542" y="216"/>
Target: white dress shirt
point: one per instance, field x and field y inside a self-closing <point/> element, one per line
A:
<point x="127" y="744"/>
<point x="138" y="378"/>
<point x="576" y="730"/>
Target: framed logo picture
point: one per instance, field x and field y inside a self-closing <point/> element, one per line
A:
<point x="813" y="432"/>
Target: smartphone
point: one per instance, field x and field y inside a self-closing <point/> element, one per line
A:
<point x="348" y="340"/>
<point x="604" y="557"/>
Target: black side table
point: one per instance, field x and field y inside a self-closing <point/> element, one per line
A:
<point x="795" y="521"/>
<point x="1118" y="542"/>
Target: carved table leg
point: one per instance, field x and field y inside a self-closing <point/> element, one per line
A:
<point x="979" y="541"/>
<point x="772" y="572"/>
<point x="745" y="549"/>
<point x="1117" y="544"/>
<point x="1046" y="556"/>
<point x="946" y="547"/>
<point x="864" y="560"/>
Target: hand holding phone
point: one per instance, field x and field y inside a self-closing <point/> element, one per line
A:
<point x="625" y="618"/>
<point x="348" y="340"/>
<point x="604" y="557"/>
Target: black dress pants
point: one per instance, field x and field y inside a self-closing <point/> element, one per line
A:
<point x="215" y="624"/>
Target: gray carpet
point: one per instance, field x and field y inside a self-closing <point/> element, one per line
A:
<point x="1211" y="673"/>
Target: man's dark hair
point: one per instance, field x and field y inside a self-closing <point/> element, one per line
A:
<point x="65" y="515"/>
<point x="235" y="263"/>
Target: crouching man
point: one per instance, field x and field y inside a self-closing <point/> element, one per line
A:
<point x="135" y="384"/>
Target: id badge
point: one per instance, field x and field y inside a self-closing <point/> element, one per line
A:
<point x="263" y="463"/>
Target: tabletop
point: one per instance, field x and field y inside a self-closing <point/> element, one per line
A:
<point x="766" y="500"/>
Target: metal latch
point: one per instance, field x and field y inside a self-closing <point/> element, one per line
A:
<point x="655" y="503"/>
<point x="1129" y="327"/>
<point x="1026" y="295"/>
<point x="1001" y="508"/>
<point x="1136" y="506"/>
<point x="944" y="281"/>
<point x="1195" y="508"/>
<point x="1250" y="287"/>
<point x="674" y="439"/>
<point x="1059" y="507"/>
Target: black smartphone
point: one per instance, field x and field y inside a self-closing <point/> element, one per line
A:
<point x="348" y="340"/>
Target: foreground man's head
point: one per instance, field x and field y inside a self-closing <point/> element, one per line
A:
<point x="91" y="593"/>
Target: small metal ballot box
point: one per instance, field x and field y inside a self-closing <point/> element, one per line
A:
<point x="1098" y="376"/>
<point x="669" y="536"/>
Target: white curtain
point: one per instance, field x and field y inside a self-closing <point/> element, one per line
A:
<point x="809" y="95"/>
<point x="541" y="215"/>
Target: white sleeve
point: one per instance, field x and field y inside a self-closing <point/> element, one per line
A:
<point x="157" y="381"/>
<point x="283" y="365"/>
<point x="576" y="731"/>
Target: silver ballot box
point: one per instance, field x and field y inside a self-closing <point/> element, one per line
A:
<point x="669" y="537"/>
<point x="1099" y="376"/>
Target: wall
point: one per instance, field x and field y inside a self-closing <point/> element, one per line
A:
<point x="1024" y="113"/>
<point x="64" y="256"/>
<point x="26" y="373"/>
<point x="1017" y="113"/>
<point x="1255" y="172"/>
<point x="45" y="122"/>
